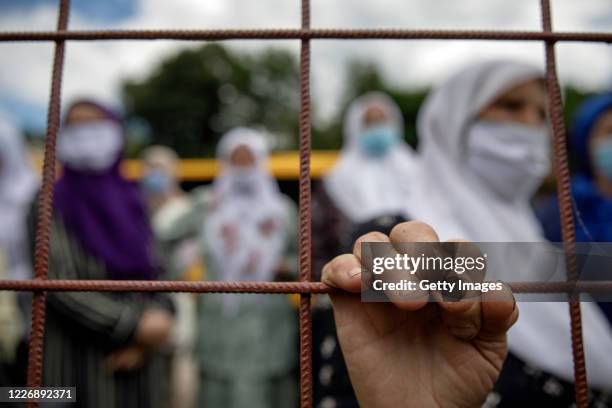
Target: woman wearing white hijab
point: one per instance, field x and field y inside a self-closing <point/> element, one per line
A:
<point x="247" y="232"/>
<point x="367" y="188"/>
<point x="18" y="185"/>
<point x="167" y="201"/>
<point x="485" y="150"/>
<point x="374" y="162"/>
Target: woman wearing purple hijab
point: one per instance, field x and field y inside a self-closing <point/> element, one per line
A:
<point x="104" y="344"/>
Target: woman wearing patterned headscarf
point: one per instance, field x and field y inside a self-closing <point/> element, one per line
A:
<point x="247" y="232"/>
<point x="104" y="344"/>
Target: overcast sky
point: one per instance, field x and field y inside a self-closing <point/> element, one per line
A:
<point x="97" y="69"/>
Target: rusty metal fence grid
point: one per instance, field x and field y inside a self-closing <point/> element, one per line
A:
<point x="305" y="287"/>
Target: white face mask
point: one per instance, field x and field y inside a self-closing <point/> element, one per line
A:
<point x="244" y="180"/>
<point x="510" y="159"/>
<point x="93" y="146"/>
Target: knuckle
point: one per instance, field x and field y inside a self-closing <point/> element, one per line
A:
<point x="413" y="231"/>
<point x="373" y="236"/>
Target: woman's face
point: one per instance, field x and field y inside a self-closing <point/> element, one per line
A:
<point x="602" y="131"/>
<point x="375" y="115"/>
<point x="509" y="149"/>
<point x="153" y="166"/>
<point x="242" y="157"/>
<point x="378" y="136"/>
<point x="524" y="104"/>
<point x="83" y="114"/>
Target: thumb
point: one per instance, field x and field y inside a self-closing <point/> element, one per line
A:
<point x="343" y="272"/>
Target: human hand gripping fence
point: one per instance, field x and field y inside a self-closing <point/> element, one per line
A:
<point x="40" y="284"/>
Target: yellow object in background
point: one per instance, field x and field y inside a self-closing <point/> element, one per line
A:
<point x="294" y="300"/>
<point x="283" y="165"/>
<point x="196" y="272"/>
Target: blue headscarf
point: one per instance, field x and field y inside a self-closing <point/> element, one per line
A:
<point x="584" y="121"/>
<point x="594" y="210"/>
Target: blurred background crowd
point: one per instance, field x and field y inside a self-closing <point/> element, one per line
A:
<point x="177" y="161"/>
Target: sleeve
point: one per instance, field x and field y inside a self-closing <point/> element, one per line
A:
<point x="549" y="217"/>
<point x="188" y="222"/>
<point x="111" y="317"/>
<point x="327" y="226"/>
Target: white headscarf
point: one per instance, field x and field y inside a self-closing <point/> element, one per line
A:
<point x="457" y="205"/>
<point x="443" y="123"/>
<point x="357" y="183"/>
<point x="245" y="229"/>
<point x="18" y="185"/>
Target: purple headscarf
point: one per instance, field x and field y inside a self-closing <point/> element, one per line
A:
<point x="107" y="216"/>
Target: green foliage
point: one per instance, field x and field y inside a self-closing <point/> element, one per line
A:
<point x="199" y="94"/>
<point x="572" y="99"/>
<point x="194" y="97"/>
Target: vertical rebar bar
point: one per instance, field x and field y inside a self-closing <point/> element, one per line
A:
<point x="305" y="264"/>
<point x="564" y="192"/>
<point x="45" y="208"/>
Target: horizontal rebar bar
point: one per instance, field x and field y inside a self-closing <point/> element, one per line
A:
<point x="257" y="287"/>
<point x="304" y="34"/>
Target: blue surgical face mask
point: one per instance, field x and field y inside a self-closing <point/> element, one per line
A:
<point x="155" y="183"/>
<point x="377" y="141"/>
<point x="602" y="158"/>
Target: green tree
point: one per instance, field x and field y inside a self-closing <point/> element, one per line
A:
<point x="191" y="99"/>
